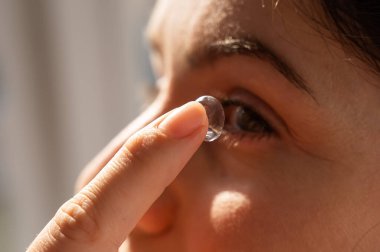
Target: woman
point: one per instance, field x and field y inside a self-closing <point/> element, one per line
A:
<point x="296" y="168"/>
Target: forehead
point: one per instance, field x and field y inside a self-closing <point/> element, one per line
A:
<point x="181" y="28"/>
<point x="186" y="26"/>
<point x="202" y="21"/>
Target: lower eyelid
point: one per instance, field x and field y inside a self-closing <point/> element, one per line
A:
<point x="248" y="135"/>
<point x="246" y="98"/>
<point x="263" y="109"/>
<point x="234" y="137"/>
<point x="247" y="142"/>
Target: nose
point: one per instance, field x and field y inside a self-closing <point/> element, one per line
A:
<point x="160" y="217"/>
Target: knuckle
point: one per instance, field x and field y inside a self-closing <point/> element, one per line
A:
<point x="76" y="220"/>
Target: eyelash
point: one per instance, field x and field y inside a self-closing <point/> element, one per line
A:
<point x="234" y="136"/>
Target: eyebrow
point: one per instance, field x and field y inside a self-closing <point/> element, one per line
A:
<point x="249" y="47"/>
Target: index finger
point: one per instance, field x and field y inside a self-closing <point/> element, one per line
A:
<point x="103" y="213"/>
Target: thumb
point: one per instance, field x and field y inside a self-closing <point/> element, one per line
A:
<point x="103" y="213"/>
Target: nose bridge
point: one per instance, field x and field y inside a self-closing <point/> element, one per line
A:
<point x="198" y="180"/>
<point x="181" y="198"/>
<point x="194" y="174"/>
<point x="179" y="195"/>
<point x="160" y="216"/>
<point x="161" y="104"/>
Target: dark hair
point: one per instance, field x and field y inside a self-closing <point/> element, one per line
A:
<point x="356" y="24"/>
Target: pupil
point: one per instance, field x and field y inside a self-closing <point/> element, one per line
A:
<point x="248" y="120"/>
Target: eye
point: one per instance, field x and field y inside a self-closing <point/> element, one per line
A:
<point x="243" y="120"/>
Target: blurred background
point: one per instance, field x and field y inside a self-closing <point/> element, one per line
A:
<point x="73" y="73"/>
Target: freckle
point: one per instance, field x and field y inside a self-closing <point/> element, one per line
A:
<point x="229" y="211"/>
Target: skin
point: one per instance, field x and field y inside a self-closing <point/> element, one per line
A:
<point x="312" y="186"/>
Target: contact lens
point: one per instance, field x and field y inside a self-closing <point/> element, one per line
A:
<point x="215" y="115"/>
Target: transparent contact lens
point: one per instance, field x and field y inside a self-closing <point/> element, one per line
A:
<point x="215" y="115"/>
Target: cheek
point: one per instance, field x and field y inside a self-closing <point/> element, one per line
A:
<point x="229" y="211"/>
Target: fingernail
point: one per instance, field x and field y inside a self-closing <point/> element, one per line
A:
<point x="184" y="120"/>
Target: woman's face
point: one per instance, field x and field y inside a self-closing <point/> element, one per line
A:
<point x="296" y="168"/>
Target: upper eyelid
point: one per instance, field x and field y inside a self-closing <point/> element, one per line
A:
<point x="155" y="47"/>
<point x="251" y="47"/>
<point x="232" y="138"/>
<point x="258" y="105"/>
<point x="156" y="63"/>
<point x="234" y="102"/>
<point x="155" y="52"/>
<point x="152" y="40"/>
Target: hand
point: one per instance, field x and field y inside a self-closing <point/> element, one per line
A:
<point x="102" y="214"/>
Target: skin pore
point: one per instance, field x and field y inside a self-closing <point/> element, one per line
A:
<point x="311" y="183"/>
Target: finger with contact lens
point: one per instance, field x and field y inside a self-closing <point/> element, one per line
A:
<point x="104" y="212"/>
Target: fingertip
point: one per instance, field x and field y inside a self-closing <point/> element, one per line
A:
<point x="185" y="120"/>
